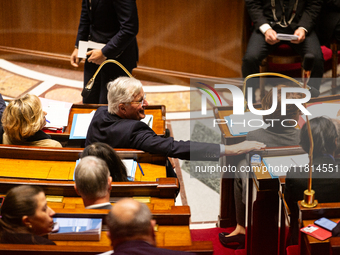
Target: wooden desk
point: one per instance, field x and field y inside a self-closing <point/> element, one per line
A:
<point x="263" y="207"/>
<point x="172" y="216"/>
<point x="162" y="188"/>
<point x="197" y="247"/>
<point x="158" y="112"/>
<point x="55" y="172"/>
<point x="154" y="203"/>
<point x="169" y="234"/>
<point x="310" y="245"/>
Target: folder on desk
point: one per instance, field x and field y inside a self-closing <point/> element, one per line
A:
<point x="80" y="125"/>
<point x="317" y="232"/>
<point x="131" y="166"/>
<point x="242" y="124"/>
<point x="77" y="229"/>
<point x="279" y="166"/>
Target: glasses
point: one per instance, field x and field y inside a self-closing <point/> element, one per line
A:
<point x="139" y="102"/>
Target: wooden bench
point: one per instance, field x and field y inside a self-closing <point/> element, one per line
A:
<point x="56" y="166"/>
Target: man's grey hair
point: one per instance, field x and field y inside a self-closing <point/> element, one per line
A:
<point x="122" y="90"/>
<point x="137" y="225"/>
<point x="91" y="177"/>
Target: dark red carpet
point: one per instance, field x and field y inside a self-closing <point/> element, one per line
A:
<point x="211" y="234"/>
<point x="294" y="70"/>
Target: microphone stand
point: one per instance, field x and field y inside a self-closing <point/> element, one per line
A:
<point x="87" y="90"/>
<point x="268" y="74"/>
<point x="309" y="194"/>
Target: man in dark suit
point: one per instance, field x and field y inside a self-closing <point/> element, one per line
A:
<point x="92" y="181"/>
<point x="296" y="17"/>
<point x="328" y="27"/>
<point x="119" y="125"/>
<point x="115" y="24"/>
<point x="131" y="230"/>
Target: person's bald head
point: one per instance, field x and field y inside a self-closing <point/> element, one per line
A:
<point x="130" y="219"/>
<point x="126" y="210"/>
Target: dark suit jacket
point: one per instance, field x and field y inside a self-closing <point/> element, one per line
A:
<point x="329" y="18"/>
<point x="114" y="23"/>
<point x="134" y="134"/>
<point x="306" y="14"/>
<point x="137" y="247"/>
<point x="325" y="184"/>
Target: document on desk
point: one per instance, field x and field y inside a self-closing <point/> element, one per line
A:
<point x="242" y="124"/>
<point x="71" y="229"/>
<point x="321" y="109"/>
<point x="131" y="166"/>
<point x="57" y="113"/>
<point x="279" y="166"/>
<point x="80" y="125"/>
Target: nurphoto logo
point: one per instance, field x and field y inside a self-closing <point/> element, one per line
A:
<point x="238" y="99"/>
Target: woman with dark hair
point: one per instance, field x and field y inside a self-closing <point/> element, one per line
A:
<point x="107" y="153"/>
<point x="25" y="216"/>
<point x="326" y="176"/>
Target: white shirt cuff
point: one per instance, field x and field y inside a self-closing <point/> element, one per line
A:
<point x="222" y="150"/>
<point x="264" y="28"/>
<point x="303" y="29"/>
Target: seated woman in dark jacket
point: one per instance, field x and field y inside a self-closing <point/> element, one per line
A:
<point x="25" y="217"/>
<point x="326" y="175"/>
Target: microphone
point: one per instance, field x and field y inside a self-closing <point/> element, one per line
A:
<point x="307" y="67"/>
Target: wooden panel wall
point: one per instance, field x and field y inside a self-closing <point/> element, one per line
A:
<point x="195" y="36"/>
<point x="42" y="25"/>
<point x="192" y="36"/>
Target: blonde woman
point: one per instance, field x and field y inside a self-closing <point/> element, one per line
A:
<point x="22" y="121"/>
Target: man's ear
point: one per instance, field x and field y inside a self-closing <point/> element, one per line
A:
<point x="122" y="108"/>
<point x="75" y="187"/>
<point x="152" y="231"/>
<point x="109" y="182"/>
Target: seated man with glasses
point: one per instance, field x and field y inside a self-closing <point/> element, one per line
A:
<point x="119" y="125"/>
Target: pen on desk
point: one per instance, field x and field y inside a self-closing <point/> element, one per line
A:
<point x="149" y="122"/>
<point x="140" y="169"/>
